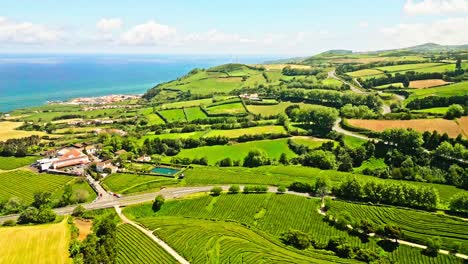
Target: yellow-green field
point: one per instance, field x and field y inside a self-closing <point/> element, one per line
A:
<point x="365" y="72"/>
<point x="46" y="244"/>
<point x="8" y="131"/>
<point x="234" y="133"/>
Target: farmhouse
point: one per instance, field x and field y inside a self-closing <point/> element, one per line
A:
<point x="100" y="166"/>
<point x="63" y="158"/>
<point x="251" y="97"/>
<point x="144" y="158"/>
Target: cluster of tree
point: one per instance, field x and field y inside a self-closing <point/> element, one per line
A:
<point x="357" y="111"/>
<point x="457" y="151"/>
<point x="256" y="158"/>
<point x="40" y="210"/>
<point x="459" y="203"/>
<point x="434" y="139"/>
<point x="255" y="137"/>
<point x="455" y="111"/>
<point x="330" y="98"/>
<point x="319" y="187"/>
<point x="339" y="245"/>
<point x="323" y="118"/>
<point x="68" y="116"/>
<point x="188" y="161"/>
<point x="404" y="78"/>
<point x="289" y="71"/>
<point x="19" y="147"/>
<point x="100" y="246"/>
<point x="392" y="194"/>
<point x="437" y="101"/>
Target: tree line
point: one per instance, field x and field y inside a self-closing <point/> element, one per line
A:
<point x="19" y="147"/>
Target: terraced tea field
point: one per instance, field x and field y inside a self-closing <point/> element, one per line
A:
<point x="417" y="226"/>
<point x="23" y="184"/>
<point x="136" y="247"/>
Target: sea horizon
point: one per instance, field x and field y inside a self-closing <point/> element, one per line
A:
<point x="28" y="80"/>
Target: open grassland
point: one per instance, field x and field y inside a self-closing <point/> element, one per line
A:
<point x="353" y="142"/>
<point x="417" y="226"/>
<point x="194" y="113"/>
<point x="100" y="113"/>
<point x="427" y="83"/>
<point x="195" y="134"/>
<point x="311" y="142"/>
<point x="272" y="148"/>
<point x="234" y="133"/>
<point x="190" y="103"/>
<point x="184" y="224"/>
<point x="452" y="128"/>
<point x="23" y="184"/>
<point x="285" y="175"/>
<point x="332" y="82"/>
<point x="369" y="59"/>
<point x="365" y="72"/>
<point x="173" y="115"/>
<point x="153" y="119"/>
<point x="136" y="247"/>
<point x="209" y="85"/>
<point x="372" y="163"/>
<point x="8" y="131"/>
<point x="460" y="88"/>
<point x="435" y="110"/>
<point x="269" y="110"/>
<point x="10" y="163"/>
<point x="35" y="244"/>
<point x="280" y="66"/>
<point x="124" y="183"/>
<point x="407" y="67"/>
<point x="229" y="109"/>
<point x="396" y="85"/>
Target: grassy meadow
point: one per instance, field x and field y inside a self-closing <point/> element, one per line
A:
<point x="234" y="133"/>
<point x="8" y="130"/>
<point x="10" y="163"/>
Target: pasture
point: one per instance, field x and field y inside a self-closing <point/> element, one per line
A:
<point x="136" y="247"/>
<point x="125" y="183"/>
<point x="444" y="91"/>
<point x="452" y="128"/>
<point x="182" y="224"/>
<point x="235" y="133"/>
<point x="23" y="184"/>
<point x="407" y="67"/>
<point x="8" y="130"/>
<point x="190" y="103"/>
<point x="365" y="72"/>
<point x="228" y="109"/>
<point x="417" y="226"/>
<point x="270" y="110"/>
<point x="194" y="113"/>
<point x="195" y="134"/>
<point x="311" y="142"/>
<point x="435" y="110"/>
<point x="395" y="85"/>
<point x="173" y="115"/>
<point x="280" y="66"/>
<point x="427" y="83"/>
<point x="45" y="244"/>
<point x="153" y="119"/>
<point x="10" y="163"/>
<point x="272" y="148"/>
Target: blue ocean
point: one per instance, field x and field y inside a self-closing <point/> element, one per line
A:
<point x="31" y="80"/>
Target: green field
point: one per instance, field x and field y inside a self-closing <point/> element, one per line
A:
<point x="311" y="142"/>
<point x="417" y="226"/>
<point x="228" y="109"/>
<point x="353" y="142"/>
<point x="269" y="110"/>
<point x="332" y="82"/>
<point x="195" y="134"/>
<point x="153" y="119"/>
<point x="408" y="67"/>
<point x="10" y="163"/>
<point x="194" y="113"/>
<point x="435" y="110"/>
<point x="285" y="175"/>
<point x="190" y="103"/>
<point x="206" y="221"/>
<point x="272" y="148"/>
<point x="444" y="91"/>
<point x="136" y="247"/>
<point x="371" y="163"/>
<point x="397" y="85"/>
<point x="173" y="115"/>
<point x="44" y="244"/>
<point x="234" y="133"/>
<point x="131" y="183"/>
<point x="100" y="113"/>
<point x="366" y="72"/>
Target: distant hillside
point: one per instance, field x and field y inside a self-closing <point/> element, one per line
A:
<point x="434" y="47"/>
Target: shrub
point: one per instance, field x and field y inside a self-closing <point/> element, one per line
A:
<point x="233" y="189"/>
<point x="81" y="196"/>
<point x="296" y="238"/>
<point x="301" y="187"/>
<point x="433" y="246"/>
<point x="216" y="191"/>
<point x="281" y="189"/>
<point x="158" y="203"/>
<point x="454" y="247"/>
<point x="9" y="222"/>
<point x="226" y="162"/>
<point x="79" y="211"/>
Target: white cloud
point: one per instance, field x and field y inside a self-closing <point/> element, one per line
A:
<point x="363" y="24"/>
<point x="446" y="31"/>
<point x="214" y="36"/>
<point x="435" y="7"/>
<point x="109" y="24"/>
<point x="12" y="32"/>
<point x="150" y="33"/>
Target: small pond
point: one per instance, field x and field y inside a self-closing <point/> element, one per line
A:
<point x="164" y="170"/>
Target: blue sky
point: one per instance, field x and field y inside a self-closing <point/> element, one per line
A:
<point x="294" y="27"/>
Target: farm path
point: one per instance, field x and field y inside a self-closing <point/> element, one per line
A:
<point x="339" y="129"/>
<point x="150" y="234"/>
